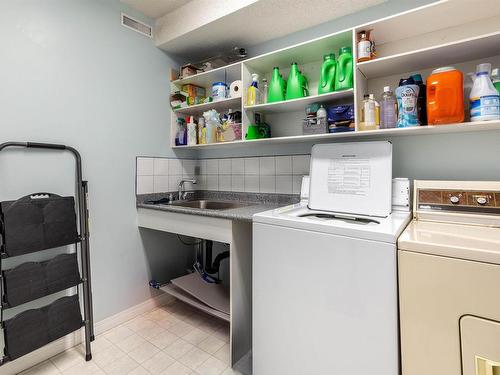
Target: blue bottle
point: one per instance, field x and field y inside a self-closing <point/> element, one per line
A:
<point x="407" y="96"/>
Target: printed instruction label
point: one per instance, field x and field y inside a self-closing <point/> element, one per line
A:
<point x="349" y="176"/>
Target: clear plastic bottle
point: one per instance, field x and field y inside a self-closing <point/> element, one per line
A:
<point x="388" y="106"/>
<point x="322" y="119"/>
<point x="368" y="114"/>
<point x="265" y="91"/>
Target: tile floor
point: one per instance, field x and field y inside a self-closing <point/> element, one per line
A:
<point x="171" y="340"/>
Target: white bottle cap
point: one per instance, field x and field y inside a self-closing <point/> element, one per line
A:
<point x="387" y="88"/>
<point x="494" y="72"/>
<point x="482" y="68"/>
<point x="371" y="96"/>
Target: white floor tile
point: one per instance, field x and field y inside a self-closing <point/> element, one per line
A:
<point x="212" y="366"/>
<point x="177" y="368"/>
<point x="44" y="368"/>
<point x="165" y="339"/>
<point x="108" y="356"/>
<point x="84" y="368"/>
<point x="131" y="342"/>
<point x="68" y="358"/>
<point x="118" y="334"/>
<point x="139" y="371"/>
<point x="211" y="344"/>
<point x="178" y="348"/>
<point x="195" y="336"/>
<point x="181" y="328"/>
<point x="194" y="358"/>
<point x="121" y="366"/>
<point x="223" y="354"/>
<point x="143" y="352"/>
<point x="158" y="363"/>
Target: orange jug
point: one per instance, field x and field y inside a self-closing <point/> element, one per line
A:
<point x="445" y="96"/>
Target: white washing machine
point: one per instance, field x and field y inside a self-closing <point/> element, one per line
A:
<point x="325" y="285"/>
<point x="449" y="280"/>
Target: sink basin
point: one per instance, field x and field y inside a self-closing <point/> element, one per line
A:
<point x="209" y="205"/>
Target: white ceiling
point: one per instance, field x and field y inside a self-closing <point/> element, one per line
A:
<point x="155" y="8"/>
<point x="188" y="31"/>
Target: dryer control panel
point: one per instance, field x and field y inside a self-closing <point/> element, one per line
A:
<point x="457" y="200"/>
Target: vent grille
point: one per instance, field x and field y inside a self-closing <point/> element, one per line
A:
<point x="136" y="25"/>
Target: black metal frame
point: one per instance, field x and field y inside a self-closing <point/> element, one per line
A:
<point x="83" y="216"/>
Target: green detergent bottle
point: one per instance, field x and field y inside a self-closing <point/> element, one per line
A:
<point x="327" y="77"/>
<point x="276" y="92"/>
<point x="344" y="73"/>
<point x="296" y="84"/>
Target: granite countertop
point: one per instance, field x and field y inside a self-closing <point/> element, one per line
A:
<point x="257" y="202"/>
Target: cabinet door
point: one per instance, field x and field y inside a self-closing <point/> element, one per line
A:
<point x="480" y="340"/>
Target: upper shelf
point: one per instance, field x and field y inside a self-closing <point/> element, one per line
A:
<point x="219" y="105"/>
<point x="227" y="74"/>
<point x="301" y="103"/>
<point x="432" y="57"/>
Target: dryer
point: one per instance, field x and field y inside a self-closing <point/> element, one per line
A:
<point x="449" y="280"/>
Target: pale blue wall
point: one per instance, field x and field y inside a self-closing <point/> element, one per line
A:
<point x="460" y="156"/>
<point x="70" y="73"/>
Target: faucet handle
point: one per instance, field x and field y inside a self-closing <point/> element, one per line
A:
<point x="187" y="195"/>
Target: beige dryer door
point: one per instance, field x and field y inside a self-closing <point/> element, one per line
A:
<point x="480" y="340"/>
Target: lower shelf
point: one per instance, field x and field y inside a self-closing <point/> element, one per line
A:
<point x="464" y="127"/>
<point x="193" y="301"/>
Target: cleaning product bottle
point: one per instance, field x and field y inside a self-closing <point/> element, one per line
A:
<point x="388" y="109"/>
<point x="322" y="119"/>
<point x="344" y="72"/>
<point x="407" y="97"/>
<point x="201" y="131"/>
<point x="422" y="99"/>
<point x="276" y="92"/>
<point x="295" y="87"/>
<point x="327" y="77"/>
<point x="484" y="98"/>
<point x="181" y="136"/>
<point x="495" y="77"/>
<point x="366" y="47"/>
<point x="377" y="111"/>
<point x="253" y="93"/>
<point x="265" y="91"/>
<point x="368" y="115"/>
<point x="191" y="132"/>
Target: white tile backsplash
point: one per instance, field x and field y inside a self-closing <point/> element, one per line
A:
<point x="160" y="167"/>
<point x="267" y="174"/>
<point x="300" y="164"/>
<point x="267" y="184"/>
<point x="252" y="183"/>
<point x="224" y="182"/>
<point x="267" y="166"/>
<point x="145" y="184"/>
<point x="145" y="166"/>
<point x="283" y="165"/>
<point x="160" y="184"/>
<point x="237" y="183"/>
<point x="237" y="166"/>
<point x="251" y="166"/>
<point x="174" y="167"/>
<point x="284" y="184"/>
<point x="225" y="166"/>
<point x="212" y="166"/>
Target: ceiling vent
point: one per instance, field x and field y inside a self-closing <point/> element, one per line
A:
<point x="136" y="25"/>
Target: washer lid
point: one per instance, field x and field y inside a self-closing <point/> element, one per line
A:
<point x="471" y="242"/>
<point x="298" y="216"/>
<point x="352" y="178"/>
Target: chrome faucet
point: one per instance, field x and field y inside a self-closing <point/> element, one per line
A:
<point x="181" y="188"/>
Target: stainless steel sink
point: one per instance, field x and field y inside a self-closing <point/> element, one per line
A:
<point x="209" y="204"/>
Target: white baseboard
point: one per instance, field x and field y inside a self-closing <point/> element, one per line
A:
<point x="74" y="339"/>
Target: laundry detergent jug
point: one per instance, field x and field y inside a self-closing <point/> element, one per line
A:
<point x="296" y="86"/>
<point x="276" y="92"/>
<point x="445" y="96"/>
<point x="344" y="72"/>
<point x="327" y="77"/>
